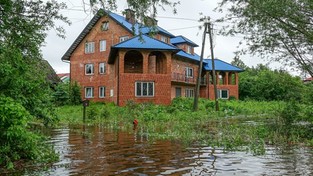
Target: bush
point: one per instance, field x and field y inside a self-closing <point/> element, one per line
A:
<point x="16" y="142"/>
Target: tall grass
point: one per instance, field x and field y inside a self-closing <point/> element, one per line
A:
<point x="239" y="125"/>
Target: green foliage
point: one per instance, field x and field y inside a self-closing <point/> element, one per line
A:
<point x="75" y="94"/>
<point x="67" y="94"/>
<point x="290" y="113"/>
<point x="280" y="30"/>
<point x="16" y="142"/>
<point x="61" y="94"/>
<point x="263" y="84"/>
<point x="25" y="91"/>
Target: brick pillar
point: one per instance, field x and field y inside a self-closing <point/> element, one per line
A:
<point x="226" y="78"/>
<point x="168" y="62"/>
<point x="152" y="65"/>
<point x="217" y="77"/>
<point x="121" y="58"/>
<point x="237" y="78"/>
<point x="145" y="62"/>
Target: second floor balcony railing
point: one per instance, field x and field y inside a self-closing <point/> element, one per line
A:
<point x="178" y="77"/>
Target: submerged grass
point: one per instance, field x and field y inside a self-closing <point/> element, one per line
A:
<point x="239" y="125"/>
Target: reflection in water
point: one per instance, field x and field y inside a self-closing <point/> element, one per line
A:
<point x="99" y="151"/>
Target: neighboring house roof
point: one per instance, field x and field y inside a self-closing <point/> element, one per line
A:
<point x="181" y="39"/>
<point x="51" y="76"/>
<point x="141" y="42"/>
<point x="308" y="79"/>
<point x="64" y="76"/>
<point x="220" y="65"/>
<point x="136" y="28"/>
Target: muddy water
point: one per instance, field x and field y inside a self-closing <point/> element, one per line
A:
<point x="98" y="151"/>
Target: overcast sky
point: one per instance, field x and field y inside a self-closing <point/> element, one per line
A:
<point x="185" y="23"/>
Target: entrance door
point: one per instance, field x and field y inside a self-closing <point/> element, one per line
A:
<point x="178" y="92"/>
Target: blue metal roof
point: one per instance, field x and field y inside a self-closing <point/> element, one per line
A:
<point x="144" y="42"/>
<point x="207" y="63"/>
<point x="182" y="39"/>
<point x="138" y="27"/>
<point x="220" y="65"/>
<point x="195" y="57"/>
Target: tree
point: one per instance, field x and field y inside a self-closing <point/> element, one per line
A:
<point x="25" y="92"/>
<point x="262" y="83"/>
<point x="23" y="28"/>
<point x="238" y="63"/>
<point x="280" y="30"/>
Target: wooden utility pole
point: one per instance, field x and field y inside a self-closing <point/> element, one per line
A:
<point x="195" y="103"/>
<point x="213" y="68"/>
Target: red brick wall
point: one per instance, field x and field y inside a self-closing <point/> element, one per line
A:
<point x="79" y="59"/>
<point x="179" y="66"/>
<point x="233" y="90"/>
<point x="162" y="88"/>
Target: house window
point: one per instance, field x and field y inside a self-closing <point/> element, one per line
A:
<point x="144" y="89"/>
<point x="89" y="47"/>
<point x="88" y="92"/>
<point x="164" y="39"/>
<point x="123" y="38"/>
<point x="102" y="68"/>
<point x="223" y="94"/>
<point x="101" y="92"/>
<point x="189" y="72"/>
<point x="189" y="93"/>
<point x="105" y="26"/>
<point x="178" y="92"/>
<point x="189" y="49"/>
<point x="103" y="45"/>
<point x="89" y="69"/>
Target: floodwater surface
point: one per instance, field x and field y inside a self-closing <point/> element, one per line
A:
<point x="99" y="151"/>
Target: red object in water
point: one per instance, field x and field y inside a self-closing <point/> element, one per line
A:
<point x="135" y="122"/>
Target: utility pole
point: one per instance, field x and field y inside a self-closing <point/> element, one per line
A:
<point x="213" y="68"/>
<point x="195" y="103"/>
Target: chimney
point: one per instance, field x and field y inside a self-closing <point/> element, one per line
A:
<point x="149" y="21"/>
<point x="130" y="16"/>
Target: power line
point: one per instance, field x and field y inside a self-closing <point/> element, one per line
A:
<point x="177" y="18"/>
<point x="183" y="28"/>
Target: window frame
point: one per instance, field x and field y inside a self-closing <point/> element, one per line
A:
<point x="104" y="68"/>
<point x="142" y="89"/>
<point x="102" y="91"/>
<point x="123" y="38"/>
<point x="105" y="26"/>
<point x="220" y="93"/>
<point x="92" y="92"/>
<point x="189" y="93"/>
<point x="189" y="70"/>
<point x="164" y="39"/>
<point x="189" y="49"/>
<point x="89" y="47"/>
<point x="92" y="69"/>
<point x="101" y="47"/>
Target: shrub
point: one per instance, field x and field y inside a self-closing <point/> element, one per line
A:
<point x="16" y="142"/>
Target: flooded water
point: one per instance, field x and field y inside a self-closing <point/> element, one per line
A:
<point x="99" y="151"/>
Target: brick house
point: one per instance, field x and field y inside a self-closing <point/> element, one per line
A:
<point x="116" y="59"/>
